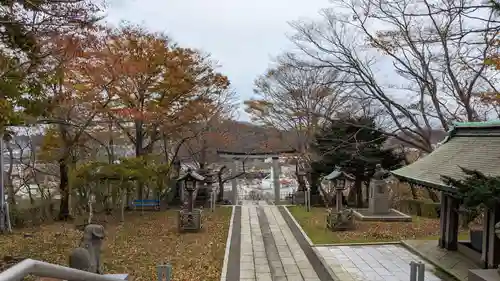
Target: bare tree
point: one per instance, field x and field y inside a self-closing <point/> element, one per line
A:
<point x="431" y="55"/>
<point x="295" y="101"/>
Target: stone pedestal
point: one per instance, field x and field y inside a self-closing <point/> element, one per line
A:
<point x="379" y="197"/>
<point x="340" y="221"/>
<point x="190" y="221"/>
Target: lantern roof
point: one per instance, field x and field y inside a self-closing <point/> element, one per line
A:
<point x="191" y="174"/>
<point x="337" y="174"/>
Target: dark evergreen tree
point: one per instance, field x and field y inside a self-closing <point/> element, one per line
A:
<point x="355" y="146"/>
<point x="476" y="190"/>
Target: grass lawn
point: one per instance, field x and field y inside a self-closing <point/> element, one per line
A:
<point x="314" y="224"/>
<point x="135" y="247"/>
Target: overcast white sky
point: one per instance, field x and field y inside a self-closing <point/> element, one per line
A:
<point x="242" y="36"/>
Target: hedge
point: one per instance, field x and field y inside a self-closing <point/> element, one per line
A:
<point x="423" y="208"/>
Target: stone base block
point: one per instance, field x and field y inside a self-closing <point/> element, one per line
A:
<point x="483" y="275"/>
<point x="391" y="216"/>
<point x="379" y="203"/>
<point x="340" y="221"/>
<point x="190" y="221"/>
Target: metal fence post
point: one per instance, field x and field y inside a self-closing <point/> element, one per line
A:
<point x="421" y="271"/>
<point x="164" y="272"/>
<point x="413" y="271"/>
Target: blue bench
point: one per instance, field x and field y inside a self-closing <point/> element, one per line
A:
<point x="146" y="203"/>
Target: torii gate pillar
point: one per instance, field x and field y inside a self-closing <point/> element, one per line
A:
<point x="276" y="180"/>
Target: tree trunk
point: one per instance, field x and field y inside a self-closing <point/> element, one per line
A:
<point x="139" y="142"/>
<point x="358" y="187"/>
<point x="64" y="190"/>
<point x="432" y="195"/>
<point x="315" y="188"/>
<point x="10" y="184"/>
<point x="367" y="191"/>
<point x="413" y="191"/>
<point x="220" y="196"/>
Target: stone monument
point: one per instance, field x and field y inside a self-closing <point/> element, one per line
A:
<point x="87" y="256"/>
<point x="379" y="204"/>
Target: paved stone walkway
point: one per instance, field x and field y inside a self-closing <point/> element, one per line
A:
<point x="453" y="262"/>
<point x="267" y="246"/>
<point x="374" y="263"/>
<point x="268" y="249"/>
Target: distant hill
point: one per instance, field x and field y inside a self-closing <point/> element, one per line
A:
<point x="435" y="137"/>
<point x="235" y="136"/>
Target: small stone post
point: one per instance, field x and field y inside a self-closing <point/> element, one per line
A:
<point x="164" y="272"/>
<point x="413" y="271"/>
<point x="421" y="271"/>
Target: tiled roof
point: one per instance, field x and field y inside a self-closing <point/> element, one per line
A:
<point x="474" y="146"/>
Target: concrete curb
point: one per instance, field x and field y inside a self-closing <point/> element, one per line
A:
<point x="228" y="245"/>
<point x="435" y="264"/>
<point x="313" y="247"/>
<point x="316" y="260"/>
<point x="299" y="227"/>
<point x="325" y="264"/>
<point x="359" y="244"/>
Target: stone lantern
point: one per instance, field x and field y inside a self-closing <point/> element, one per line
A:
<point x="339" y="219"/>
<point x="190" y="219"/>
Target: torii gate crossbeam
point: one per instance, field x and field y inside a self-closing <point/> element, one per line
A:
<point x="236" y="156"/>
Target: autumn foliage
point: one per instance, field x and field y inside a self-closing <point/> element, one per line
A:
<point x="128" y="80"/>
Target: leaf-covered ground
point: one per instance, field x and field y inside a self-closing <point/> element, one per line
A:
<point x="135" y="247"/>
<point x="314" y="224"/>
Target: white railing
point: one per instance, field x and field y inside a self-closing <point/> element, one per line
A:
<point x="44" y="269"/>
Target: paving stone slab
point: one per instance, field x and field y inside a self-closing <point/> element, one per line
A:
<point x="373" y="263"/>
<point x="268" y="249"/>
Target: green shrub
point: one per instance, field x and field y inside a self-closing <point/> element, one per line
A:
<point x="423" y="208"/>
<point x="33" y="215"/>
<point x="430" y="209"/>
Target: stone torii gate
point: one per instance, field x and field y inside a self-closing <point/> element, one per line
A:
<point x="241" y="156"/>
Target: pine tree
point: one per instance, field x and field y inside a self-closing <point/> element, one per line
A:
<point x="355" y="146"/>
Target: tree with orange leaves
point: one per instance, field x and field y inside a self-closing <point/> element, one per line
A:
<point x="75" y="94"/>
<point x="160" y="88"/>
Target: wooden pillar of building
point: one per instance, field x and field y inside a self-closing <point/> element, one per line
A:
<point x="449" y="222"/>
<point x="490" y="254"/>
<point x="442" y="220"/>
